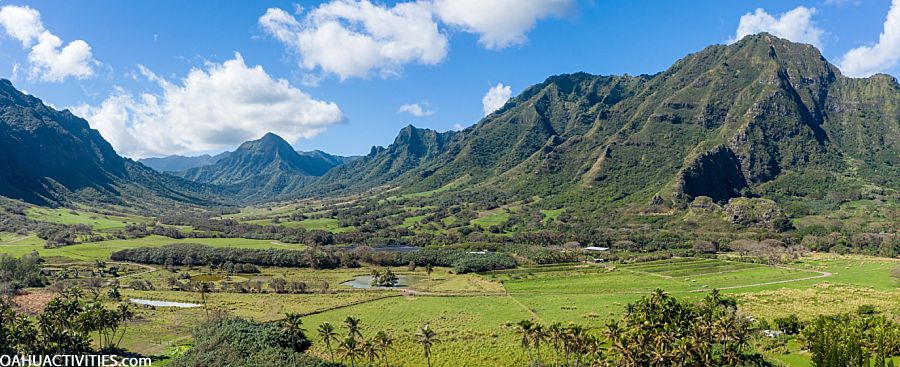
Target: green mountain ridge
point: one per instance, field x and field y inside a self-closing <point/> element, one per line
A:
<point x="748" y="119"/>
<point x="50" y="157"/>
<point x="263" y="169"/>
<point x="762" y="117"/>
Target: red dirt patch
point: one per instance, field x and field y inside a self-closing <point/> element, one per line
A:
<point x="32" y="302"/>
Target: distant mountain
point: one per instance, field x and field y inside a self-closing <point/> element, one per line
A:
<point x="175" y="163"/>
<point x="50" y="157"/>
<point x="411" y="148"/>
<point x="760" y="117"/>
<point x="264" y="169"/>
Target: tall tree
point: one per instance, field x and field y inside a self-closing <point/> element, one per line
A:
<point x="292" y="326"/>
<point x="427" y="337"/>
<point x="328" y="334"/>
<point x="386" y="343"/>
<point x="353" y="327"/>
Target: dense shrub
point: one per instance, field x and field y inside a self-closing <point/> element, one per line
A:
<point x="196" y="254"/>
<point x="236" y="342"/>
<point x="852" y="341"/>
<point x="460" y="260"/>
<point x="21" y="272"/>
<point x="476" y="263"/>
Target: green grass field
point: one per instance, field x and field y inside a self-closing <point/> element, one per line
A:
<point x="100" y="222"/>
<point x="474" y="314"/>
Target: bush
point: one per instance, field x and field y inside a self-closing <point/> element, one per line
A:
<point x="789" y="325"/>
<point x="476" y="263"/>
<point x="237" y="342"/>
<point x="196" y="254"/>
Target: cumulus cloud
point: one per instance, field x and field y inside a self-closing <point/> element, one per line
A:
<point x="796" y="25"/>
<point x="416" y="109"/>
<point x="499" y="23"/>
<point x="358" y="38"/>
<point x="867" y="60"/>
<point x="212" y="108"/>
<point x="495" y="98"/>
<point x="48" y="59"/>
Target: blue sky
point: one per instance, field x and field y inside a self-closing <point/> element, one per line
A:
<point x="344" y="95"/>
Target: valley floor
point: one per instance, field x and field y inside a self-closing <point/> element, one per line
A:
<point x="475" y="314"/>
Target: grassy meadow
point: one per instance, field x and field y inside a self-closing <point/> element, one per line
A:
<point x="474" y="314"/>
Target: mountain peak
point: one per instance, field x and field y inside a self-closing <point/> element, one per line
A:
<point x="269" y="144"/>
<point x="271" y="136"/>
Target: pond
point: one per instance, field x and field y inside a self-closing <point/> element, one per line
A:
<point x="147" y="302"/>
<point x="365" y="282"/>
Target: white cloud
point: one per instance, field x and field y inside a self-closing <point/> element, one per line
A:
<point x="499" y="23"/>
<point x="867" y="60"/>
<point x="795" y="25"/>
<point x="213" y="108"/>
<point x="48" y="59"/>
<point x="458" y="127"/>
<point x="22" y="23"/>
<point x="495" y="98"/>
<point x="358" y="38"/>
<point x="417" y="110"/>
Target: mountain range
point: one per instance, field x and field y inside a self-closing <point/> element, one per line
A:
<point x="760" y="117"/>
<point x="49" y="157"/>
<point x="319" y="161"/>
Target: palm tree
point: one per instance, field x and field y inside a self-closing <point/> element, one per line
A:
<point x="556" y="332"/>
<point x="370" y="349"/>
<point x="353" y="327"/>
<point x="291" y="326"/>
<point x="575" y="334"/>
<point x="349" y="347"/>
<point x="204" y="288"/>
<point x="326" y="332"/>
<point x="385" y="342"/>
<point x="427" y="337"/>
<point x="125" y="314"/>
<point x="538" y="335"/>
<point x="524" y="331"/>
<point x="74" y="293"/>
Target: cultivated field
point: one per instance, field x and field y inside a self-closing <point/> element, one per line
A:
<point x="475" y="314"/>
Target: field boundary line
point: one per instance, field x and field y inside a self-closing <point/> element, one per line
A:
<point x="527" y="309"/>
<point x="647" y="273"/>
<point x="311" y="313"/>
<point x="822" y="274"/>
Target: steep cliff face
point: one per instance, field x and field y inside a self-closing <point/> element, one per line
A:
<point x="716" y="174"/>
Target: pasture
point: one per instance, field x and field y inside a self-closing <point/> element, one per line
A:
<point x="475" y="314"/>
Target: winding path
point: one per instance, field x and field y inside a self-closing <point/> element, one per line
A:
<point x="822" y="274"/>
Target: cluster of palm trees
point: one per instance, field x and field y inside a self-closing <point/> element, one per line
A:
<point x="572" y="343"/>
<point x="64" y="327"/>
<point x="353" y="346"/>
<point x="374" y="351"/>
<point x="658" y="331"/>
